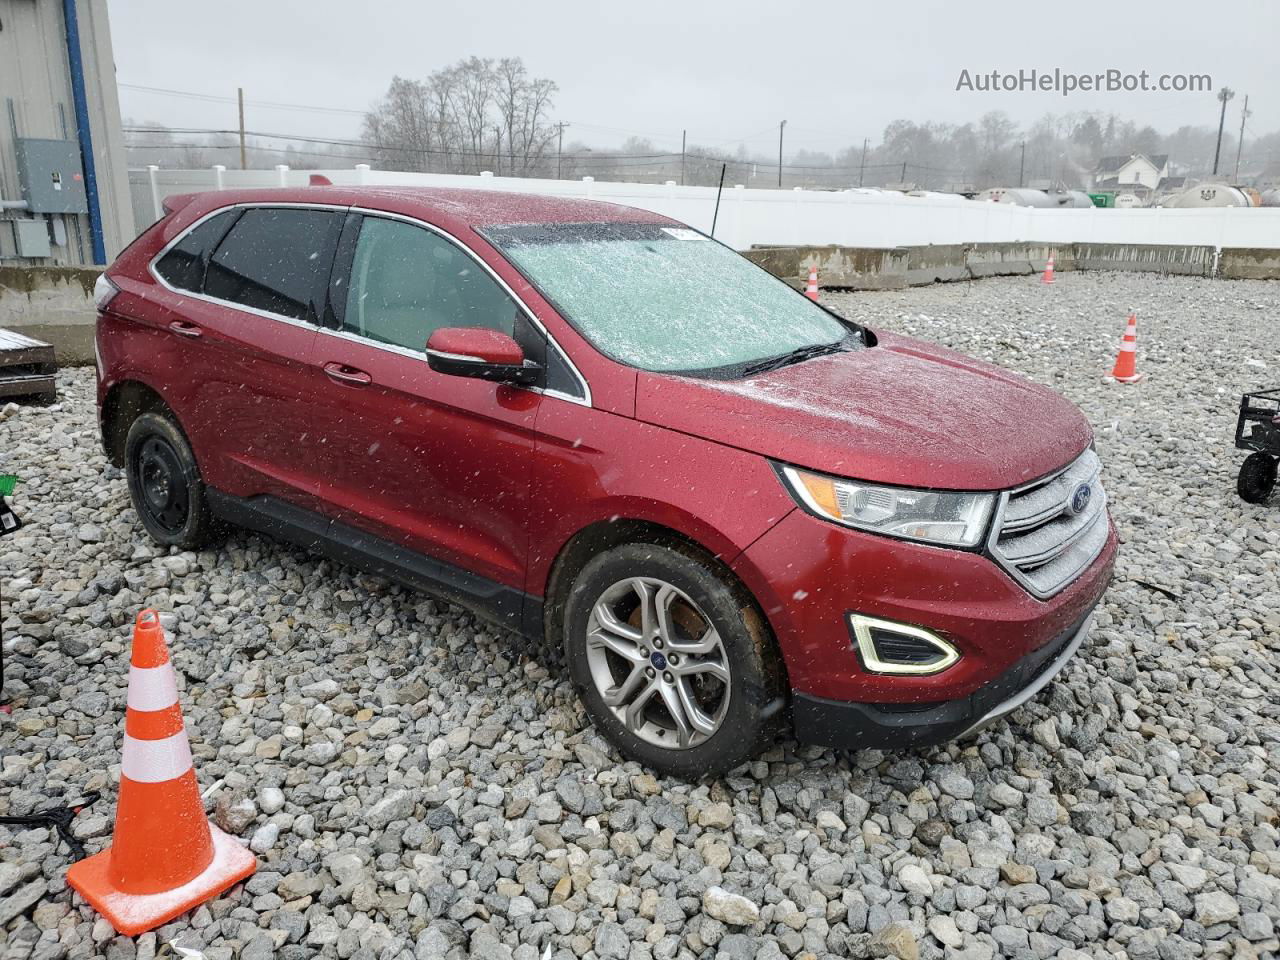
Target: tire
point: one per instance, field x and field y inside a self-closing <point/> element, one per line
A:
<point x="164" y="483"/>
<point x="1257" y="478"/>
<point x="725" y="676"/>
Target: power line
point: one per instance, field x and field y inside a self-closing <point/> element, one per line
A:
<point x="594" y="158"/>
<point x="214" y="98"/>
<point x="277" y="105"/>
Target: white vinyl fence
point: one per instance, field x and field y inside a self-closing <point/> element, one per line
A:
<point x="854" y="218"/>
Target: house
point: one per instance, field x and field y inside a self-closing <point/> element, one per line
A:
<point x="1171" y="186"/>
<point x="1136" y="173"/>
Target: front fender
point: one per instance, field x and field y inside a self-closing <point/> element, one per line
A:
<point x="592" y="467"/>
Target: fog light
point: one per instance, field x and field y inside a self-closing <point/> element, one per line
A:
<point x="888" y="647"/>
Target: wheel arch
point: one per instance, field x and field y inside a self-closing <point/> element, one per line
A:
<point x="603" y="535"/>
<point x="123" y="403"/>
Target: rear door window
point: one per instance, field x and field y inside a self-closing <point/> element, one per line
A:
<point x="276" y="259"/>
<point x="407" y="282"/>
<point x="183" y="266"/>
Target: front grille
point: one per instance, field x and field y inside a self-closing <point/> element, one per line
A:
<point x="1044" y="536"/>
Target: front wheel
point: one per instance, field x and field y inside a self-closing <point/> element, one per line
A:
<point x="673" y="661"/>
<point x="164" y="483"/>
<point x="1257" y="478"/>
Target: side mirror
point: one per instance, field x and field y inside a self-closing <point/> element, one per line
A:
<point x="476" y="352"/>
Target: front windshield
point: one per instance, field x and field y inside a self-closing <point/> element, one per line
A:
<point x="666" y="299"/>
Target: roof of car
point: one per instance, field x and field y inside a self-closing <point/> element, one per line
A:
<point x="475" y="208"/>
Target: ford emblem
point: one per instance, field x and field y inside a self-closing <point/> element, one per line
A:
<point x="1080" y="499"/>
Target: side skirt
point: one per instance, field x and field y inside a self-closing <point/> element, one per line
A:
<point x="505" y="606"/>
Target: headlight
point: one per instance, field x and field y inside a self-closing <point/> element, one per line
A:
<point x="950" y="519"/>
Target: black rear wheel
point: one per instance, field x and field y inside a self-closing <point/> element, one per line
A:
<point x="1257" y="478"/>
<point x="164" y="483"/>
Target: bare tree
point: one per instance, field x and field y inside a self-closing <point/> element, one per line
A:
<point x="524" y="105"/>
<point x="476" y="114"/>
<point x="401" y="128"/>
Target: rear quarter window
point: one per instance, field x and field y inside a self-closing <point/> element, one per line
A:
<point x="277" y="260"/>
<point x="184" y="265"/>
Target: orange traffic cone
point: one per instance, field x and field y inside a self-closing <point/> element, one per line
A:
<point x="1048" y="271"/>
<point x="1125" y="370"/>
<point x="811" y="288"/>
<point x="165" y="858"/>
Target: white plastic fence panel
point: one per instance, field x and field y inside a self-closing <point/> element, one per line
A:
<point x="857" y="218"/>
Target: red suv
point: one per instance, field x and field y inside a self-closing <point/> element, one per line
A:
<point x="734" y="509"/>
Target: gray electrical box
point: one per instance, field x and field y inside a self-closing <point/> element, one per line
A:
<point x="51" y="177"/>
<point x="31" y="238"/>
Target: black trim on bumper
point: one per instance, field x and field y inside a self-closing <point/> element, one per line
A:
<point x="840" y="723"/>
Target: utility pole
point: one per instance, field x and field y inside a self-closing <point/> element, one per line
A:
<point x="1022" y="166"/>
<point x="240" y="97"/>
<point x="781" y="127"/>
<point x="862" y="167"/>
<point x="559" y="145"/>
<point x="904" y="173"/>
<point x="1225" y="94"/>
<point x="684" y="142"/>
<point x="1244" y="115"/>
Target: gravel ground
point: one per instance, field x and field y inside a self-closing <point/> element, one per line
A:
<point x="417" y="785"/>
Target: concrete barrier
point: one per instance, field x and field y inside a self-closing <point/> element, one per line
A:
<point x="1013" y="259"/>
<point x="1249" y="263"/>
<point x="53" y="304"/>
<point x="845" y="268"/>
<point x="892" y="268"/>
<point x="940" y="263"/>
<point x="863" y="268"/>
<point x="936" y="263"/>
<point x="1185" y="260"/>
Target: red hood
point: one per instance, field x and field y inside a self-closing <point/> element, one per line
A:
<point x="903" y="412"/>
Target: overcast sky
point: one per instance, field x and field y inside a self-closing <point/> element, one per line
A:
<point x="836" y="70"/>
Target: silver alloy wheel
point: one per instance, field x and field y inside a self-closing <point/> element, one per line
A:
<point x="658" y="662"/>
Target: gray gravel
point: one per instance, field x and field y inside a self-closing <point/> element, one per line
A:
<point x="418" y="785"/>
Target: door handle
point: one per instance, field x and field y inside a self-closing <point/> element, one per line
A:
<point x="345" y="374"/>
<point x="184" y="329"/>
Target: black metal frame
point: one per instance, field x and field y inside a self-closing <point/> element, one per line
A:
<point x="1261" y="410"/>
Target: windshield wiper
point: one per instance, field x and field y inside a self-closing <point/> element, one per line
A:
<point x="798" y="355"/>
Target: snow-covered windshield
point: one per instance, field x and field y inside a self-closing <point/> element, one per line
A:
<point x="665" y="298"/>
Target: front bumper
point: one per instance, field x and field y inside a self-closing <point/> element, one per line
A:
<point x="839" y="723"/>
<point x="809" y="575"/>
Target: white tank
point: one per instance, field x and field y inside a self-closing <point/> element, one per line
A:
<point x="1128" y="201"/>
<point x="1019" y="196"/>
<point x="934" y="195"/>
<point x="1070" y="198"/>
<point x="1271" y="198"/>
<point x="1209" y="195"/>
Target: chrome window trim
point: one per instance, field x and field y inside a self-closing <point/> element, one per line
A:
<point x="584" y="400"/>
<point x="205" y="298"/>
<point x="443" y="355"/>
